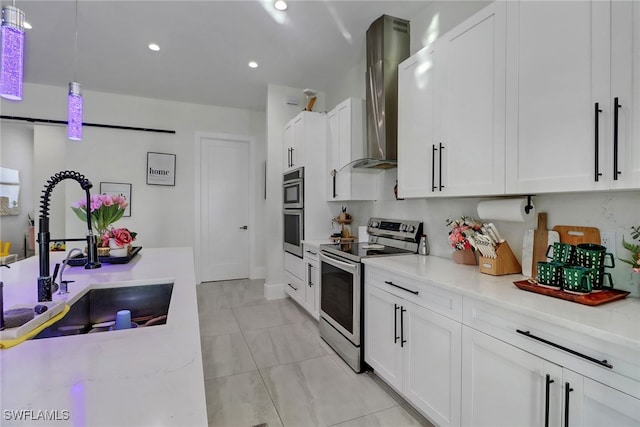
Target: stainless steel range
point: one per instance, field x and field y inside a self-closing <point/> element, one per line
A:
<point x="342" y="283"/>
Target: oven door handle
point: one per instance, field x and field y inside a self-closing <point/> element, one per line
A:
<point x="333" y="261"/>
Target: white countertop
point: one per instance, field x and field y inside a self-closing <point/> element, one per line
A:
<point x="617" y="322"/>
<point x="137" y="377"/>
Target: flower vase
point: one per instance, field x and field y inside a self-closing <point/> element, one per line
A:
<point x="465" y="256"/>
<point x="118" y="250"/>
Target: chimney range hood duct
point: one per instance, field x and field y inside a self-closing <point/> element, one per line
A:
<point x="387" y="47"/>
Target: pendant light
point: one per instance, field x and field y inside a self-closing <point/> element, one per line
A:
<point x="74" y="100"/>
<point x="12" y="55"/>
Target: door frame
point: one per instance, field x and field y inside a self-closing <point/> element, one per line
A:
<point x="198" y="143"/>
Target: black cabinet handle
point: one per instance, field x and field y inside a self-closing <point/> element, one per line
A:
<point x="549" y="381"/>
<point x="312" y="253"/>
<point x="292" y="163"/>
<point x="597" y="141"/>
<point x="309" y="266"/>
<point x="568" y="350"/>
<point x="292" y="287"/>
<point x="616" y="107"/>
<point x="400" y="287"/>
<point x="402" y="340"/>
<point x="433" y="168"/>
<point x="567" y="390"/>
<point x="440" y="168"/>
<point x="395" y="323"/>
<point x="333" y="177"/>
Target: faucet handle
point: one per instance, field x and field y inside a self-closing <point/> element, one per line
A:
<point x="63" y="287"/>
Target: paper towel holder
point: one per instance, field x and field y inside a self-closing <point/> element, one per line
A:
<point x="529" y="205"/>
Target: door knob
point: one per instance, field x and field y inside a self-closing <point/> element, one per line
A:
<point x="244" y="227"/>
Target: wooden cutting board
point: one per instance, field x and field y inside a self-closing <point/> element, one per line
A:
<point x="529" y="246"/>
<point x="540" y="240"/>
<point x="575" y="235"/>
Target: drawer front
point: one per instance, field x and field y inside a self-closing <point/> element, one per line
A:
<point x="434" y="298"/>
<point x="294" y="287"/>
<point x="311" y="253"/>
<point x="294" y="265"/>
<point x="615" y="365"/>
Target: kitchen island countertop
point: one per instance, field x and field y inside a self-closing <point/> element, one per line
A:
<point x="136" y="377"/>
<point x="617" y="322"/>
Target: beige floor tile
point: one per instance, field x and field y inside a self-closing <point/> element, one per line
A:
<point x="398" y="416"/>
<point x="272" y="313"/>
<point x="239" y="401"/>
<point x="225" y="355"/>
<point x="283" y="344"/>
<point x="219" y="321"/>
<point x="320" y="392"/>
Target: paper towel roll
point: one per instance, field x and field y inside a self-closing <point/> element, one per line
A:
<point x="506" y="210"/>
<point x="363" y="236"/>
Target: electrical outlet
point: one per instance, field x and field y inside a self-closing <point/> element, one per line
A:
<point x="608" y="240"/>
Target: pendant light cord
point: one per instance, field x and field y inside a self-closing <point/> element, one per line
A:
<point x="75" y="48"/>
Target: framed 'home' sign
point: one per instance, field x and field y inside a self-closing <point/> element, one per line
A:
<point x="161" y="169"/>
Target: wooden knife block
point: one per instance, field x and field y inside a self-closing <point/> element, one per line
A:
<point x="505" y="262"/>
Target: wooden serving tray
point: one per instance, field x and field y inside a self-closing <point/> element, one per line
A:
<point x="594" y="298"/>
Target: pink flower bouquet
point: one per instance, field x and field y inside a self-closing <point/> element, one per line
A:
<point x="461" y="229"/>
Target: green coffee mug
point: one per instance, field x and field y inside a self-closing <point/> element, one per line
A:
<point x="591" y="255"/>
<point x="562" y="252"/>
<point x="550" y="274"/>
<point x="577" y="279"/>
<point x="598" y="276"/>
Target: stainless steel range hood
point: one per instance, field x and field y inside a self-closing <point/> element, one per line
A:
<point x="387" y="47"/>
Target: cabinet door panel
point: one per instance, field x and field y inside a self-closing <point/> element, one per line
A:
<point x="473" y="64"/>
<point x="502" y="385"/>
<point x="594" y="404"/>
<point x="417" y="106"/>
<point x="382" y="349"/>
<point x="559" y="69"/>
<point x="432" y="367"/>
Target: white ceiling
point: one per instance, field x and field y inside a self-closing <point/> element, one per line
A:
<point x="205" y="45"/>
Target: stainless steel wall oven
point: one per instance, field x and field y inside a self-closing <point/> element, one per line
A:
<point x="293" y="212"/>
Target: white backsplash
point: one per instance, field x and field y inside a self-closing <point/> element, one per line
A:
<point x="608" y="211"/>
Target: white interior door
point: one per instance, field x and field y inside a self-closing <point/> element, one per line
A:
<point x="224" y="204"/>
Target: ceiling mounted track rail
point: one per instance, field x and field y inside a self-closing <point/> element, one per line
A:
<point x="95" y="125"/>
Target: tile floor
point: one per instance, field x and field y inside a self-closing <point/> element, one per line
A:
<point x="264" y="362"/>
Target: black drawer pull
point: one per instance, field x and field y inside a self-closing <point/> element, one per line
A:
<point x="400" y="287"/>
<point x="292" y="287"/>
<point x="568" y="350"/>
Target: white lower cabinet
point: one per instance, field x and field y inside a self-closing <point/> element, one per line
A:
<point x="415" y="350"/>
<point x="506" y="386"/>
<point x="294" y="277"/>
<point x="312" y="280"/>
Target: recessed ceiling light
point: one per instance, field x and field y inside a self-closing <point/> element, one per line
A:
<point x="253" y="64"/>
<point x="27" y="25"/>
<point x="280" y="5"/>
<point x="154" y="47"/>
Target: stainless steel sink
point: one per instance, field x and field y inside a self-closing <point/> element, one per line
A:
<point x="95" y="311"/>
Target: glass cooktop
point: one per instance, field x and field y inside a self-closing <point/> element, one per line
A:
<point x="357" y="251"/>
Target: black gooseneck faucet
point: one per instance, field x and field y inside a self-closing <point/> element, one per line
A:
<point x="44" y="238"/>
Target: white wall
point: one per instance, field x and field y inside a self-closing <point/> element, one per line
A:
<point x="609" y="211"/>
<point x="163" y="216"/>
<point x="16" y="152"/>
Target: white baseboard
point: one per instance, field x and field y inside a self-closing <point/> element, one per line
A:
<point x="274" y="291"/>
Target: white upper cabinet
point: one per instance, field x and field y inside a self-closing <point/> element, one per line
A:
<point x="294" y="143"/>
<point x="473" y="105"/>
<point x="559" y="115"/>
<point x="451" y="129"/>
<point x="417" y="122"/>
<point x="347" y="143"/>
<point x="625" y="95"/>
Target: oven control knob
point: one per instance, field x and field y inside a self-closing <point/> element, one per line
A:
<point x="373" y="224"/>
<point x="411" y="228"/>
